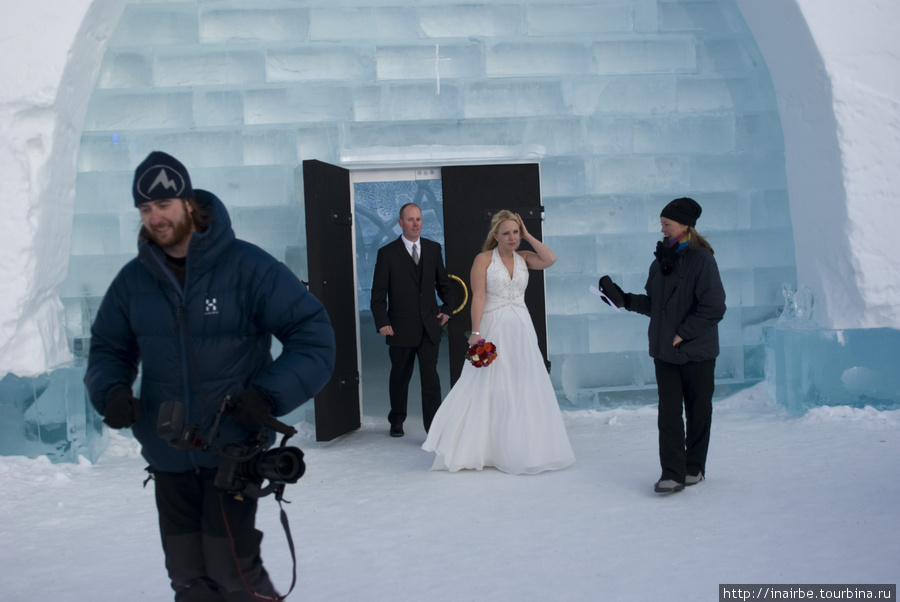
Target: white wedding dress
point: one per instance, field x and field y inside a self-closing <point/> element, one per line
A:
<point x="505" y="414"/>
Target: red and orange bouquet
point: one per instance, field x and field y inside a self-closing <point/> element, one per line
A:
<point x="482" y="353"/>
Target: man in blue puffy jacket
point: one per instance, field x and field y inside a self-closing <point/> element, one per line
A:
<point x="196" y="310"/>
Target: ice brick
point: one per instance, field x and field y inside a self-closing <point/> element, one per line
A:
<point x="432" y="61"/>
<point x="622" y="96"/>
<point x="129" y="111"/>
<point x="572" y="19"/>
<point x="219" y="25"/>
<point x="537" y="59"/>
<point x="644" y="55"/>
<point x="156" y="25"/>
<point x="125" y="70"/>
<point x="363" y="23"/>
<point x="315" y="63"/>
<point x="209" y="67"/>
<point x="471" y="20"/>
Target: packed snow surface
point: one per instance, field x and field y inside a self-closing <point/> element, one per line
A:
<point x="787" y="500"/>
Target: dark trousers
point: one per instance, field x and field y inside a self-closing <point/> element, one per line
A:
<point x="199" y="558"/>
<point x="402" y="362"/>
<point x="689" y="386"/>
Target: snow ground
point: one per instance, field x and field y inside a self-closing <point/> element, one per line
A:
<point x="787" y="500"/>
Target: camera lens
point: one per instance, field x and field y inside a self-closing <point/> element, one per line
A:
<point x="282" y="465"/>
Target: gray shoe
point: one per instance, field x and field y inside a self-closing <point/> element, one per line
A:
<point x="693" y="479"/>
<point x="667" y="486"/>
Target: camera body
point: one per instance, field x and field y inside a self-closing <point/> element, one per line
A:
<point x="171" y="427"/>
<point x="242" y="468"/>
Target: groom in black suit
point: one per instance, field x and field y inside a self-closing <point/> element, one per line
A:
<point x="408" y="271"/>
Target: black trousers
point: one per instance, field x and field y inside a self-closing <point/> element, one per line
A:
<point x="689" y="386"/>
<point x="200" y="560"/>
<point x="402" y="363"/>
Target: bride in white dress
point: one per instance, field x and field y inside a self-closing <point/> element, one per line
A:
<point x="505" y="414"/>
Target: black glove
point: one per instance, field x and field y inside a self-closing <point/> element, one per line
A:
<point x="666" y="257"/>
<point x="615" y="294"/>
<point x="251" y="409"/>
<point x="122" y="408"/>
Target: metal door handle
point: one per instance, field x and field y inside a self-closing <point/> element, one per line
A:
<point x="465" y="290"/>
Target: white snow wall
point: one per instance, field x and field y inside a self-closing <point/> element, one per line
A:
<point x="51" y="56"/>
<point x="833" y="64"/>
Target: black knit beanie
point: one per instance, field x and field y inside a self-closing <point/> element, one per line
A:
<point x="161" y="176"/>
<point x="684" y="211"/>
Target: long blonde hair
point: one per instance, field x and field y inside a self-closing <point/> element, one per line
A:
<point x="699" y="241"/>
<point x="499" y="217"/>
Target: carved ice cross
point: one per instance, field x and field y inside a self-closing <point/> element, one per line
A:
<point x="437" y="68"/>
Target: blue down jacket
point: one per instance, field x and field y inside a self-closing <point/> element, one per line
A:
<point x="235" y="298"/>
<point x="689" y="302"/>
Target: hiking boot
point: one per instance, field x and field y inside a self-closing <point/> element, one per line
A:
<point x="693" y="479"/>
<point x="667" y="486"/>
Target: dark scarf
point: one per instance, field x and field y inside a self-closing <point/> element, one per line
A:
<point x="667" y="250"/>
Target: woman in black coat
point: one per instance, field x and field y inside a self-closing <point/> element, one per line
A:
<point x="685" y="301"/>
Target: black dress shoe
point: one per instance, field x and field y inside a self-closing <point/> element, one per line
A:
<point x="397" y="430"/>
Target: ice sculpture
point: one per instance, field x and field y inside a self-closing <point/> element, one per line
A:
<point x="808" y="366"/>
<point x="50" y="415"/>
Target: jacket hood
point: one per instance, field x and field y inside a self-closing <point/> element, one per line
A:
<point x="205" y="247"/>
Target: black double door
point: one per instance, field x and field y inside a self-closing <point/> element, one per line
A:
<point x="472" y="195"/>
<point x="331" y="266"/>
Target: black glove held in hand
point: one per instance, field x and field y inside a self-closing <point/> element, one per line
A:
<point x="251" y="409"/>
<point x="122" y="409"/>
<point x="615" y="294"/>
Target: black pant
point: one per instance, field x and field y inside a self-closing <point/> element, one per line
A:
<point x="195" y="538"/>
<point x="402" y="362"/>
<point x="689" y="385"/>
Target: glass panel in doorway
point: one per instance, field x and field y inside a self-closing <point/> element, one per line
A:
<point x="377" y="199"/>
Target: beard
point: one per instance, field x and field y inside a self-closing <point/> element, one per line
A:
<point x="180" y="231"/>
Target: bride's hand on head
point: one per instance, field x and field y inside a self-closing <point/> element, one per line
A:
<point x="523" y="232"/>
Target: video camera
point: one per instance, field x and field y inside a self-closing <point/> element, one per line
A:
<point x="242" y="468"/>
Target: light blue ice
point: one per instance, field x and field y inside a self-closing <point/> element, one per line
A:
<point x="625" y="105"/>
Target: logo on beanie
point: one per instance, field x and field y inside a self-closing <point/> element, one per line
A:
<point x="164" y="180"/>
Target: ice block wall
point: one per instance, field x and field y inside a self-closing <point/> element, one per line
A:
<point x="625" y="105"/>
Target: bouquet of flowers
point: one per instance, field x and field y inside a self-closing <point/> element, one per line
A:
<point x="481" y="353"/>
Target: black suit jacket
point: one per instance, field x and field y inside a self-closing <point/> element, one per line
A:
<point x="406" y="301"/>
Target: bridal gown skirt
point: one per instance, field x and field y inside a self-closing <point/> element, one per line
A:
<point x="505" y="414"/>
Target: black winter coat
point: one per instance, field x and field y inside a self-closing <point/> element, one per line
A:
<point x="688" y="302"/>
<point x="235" y="298"/>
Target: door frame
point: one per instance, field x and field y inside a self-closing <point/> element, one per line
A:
<point x="530" y="211"/>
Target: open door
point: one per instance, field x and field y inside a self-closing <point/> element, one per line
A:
<point x="472" y="194"/>
<point x="329" y="242"/>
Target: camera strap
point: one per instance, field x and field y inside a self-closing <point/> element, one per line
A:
<point x="287" y="532"/>
<point x="286" y="430"/>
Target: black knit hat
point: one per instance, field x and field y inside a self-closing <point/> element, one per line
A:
<point x="684" y="211"/>
<point x="161" y="176"/>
